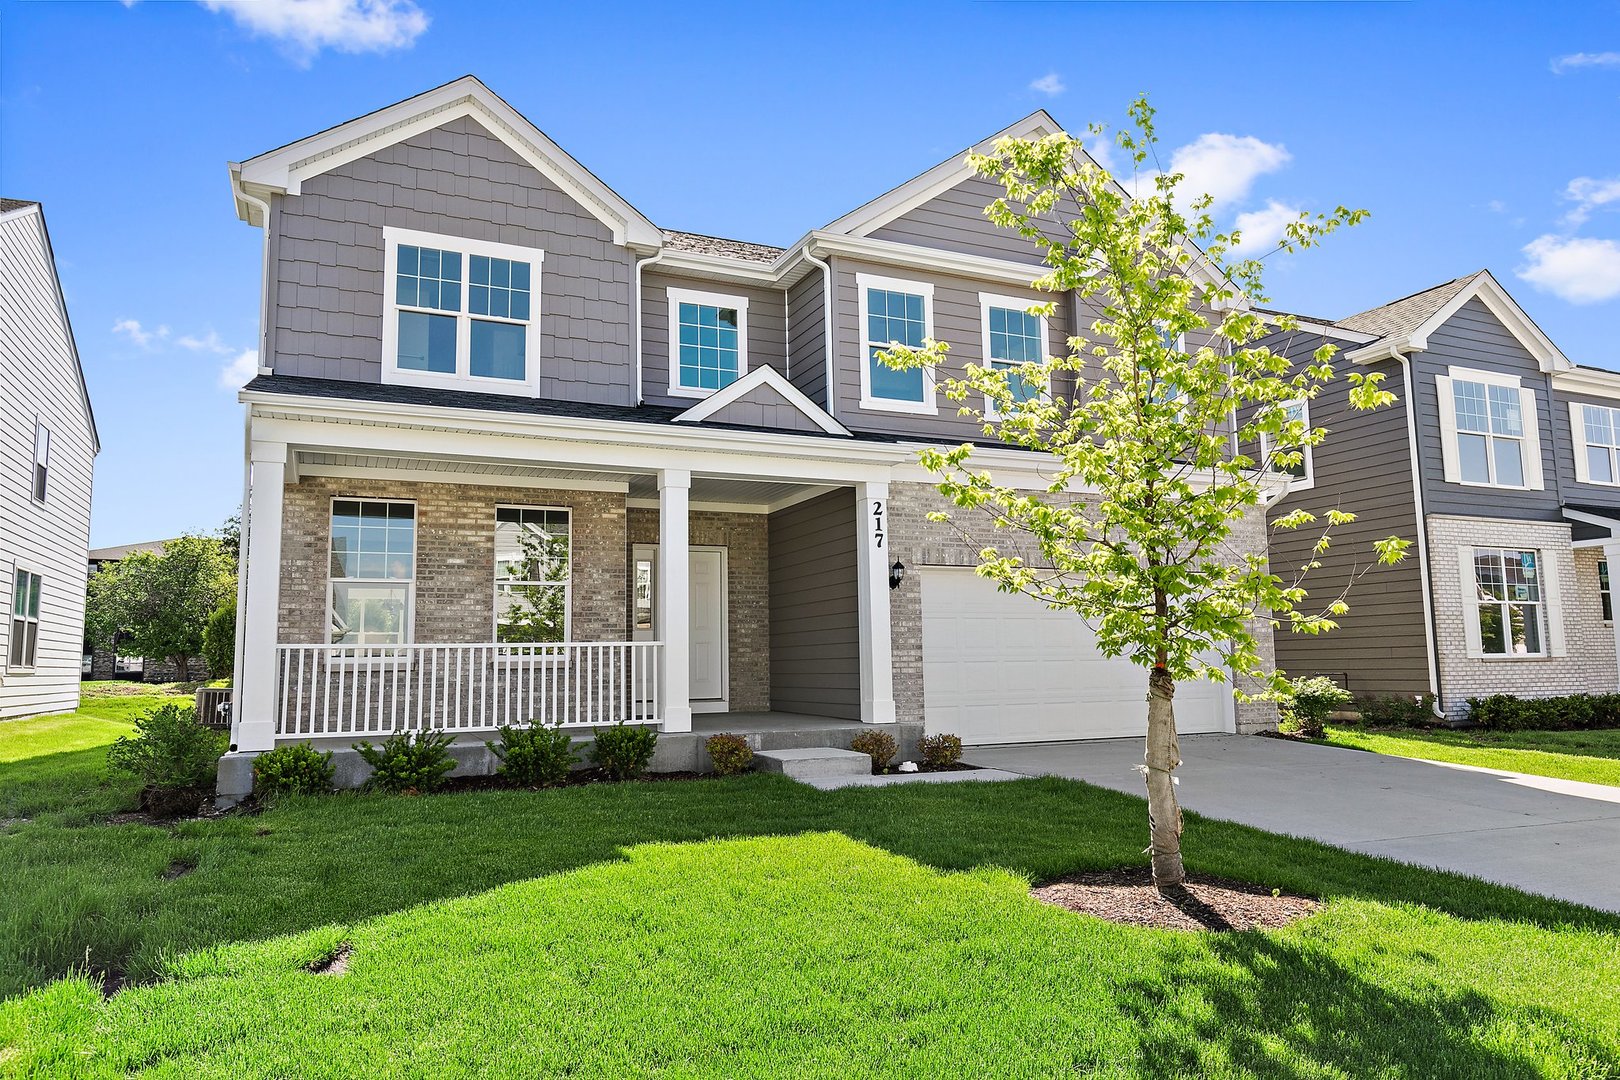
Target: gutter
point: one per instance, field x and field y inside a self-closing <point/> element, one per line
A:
<point x="827" y="324"/>
<point x="636" y="316"/>
<point x="1422" y="528"/>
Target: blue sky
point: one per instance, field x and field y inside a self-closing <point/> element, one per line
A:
<point x="1478" y="135"/>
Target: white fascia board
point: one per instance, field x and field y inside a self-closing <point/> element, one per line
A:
<point x="1505" y="308"/>
<point x="1596" y="382"/>
<point x="1602" y="521"/>
<point x="937" y="260"/>
<point x="696" y="264"/>
<point x="763" y="376"/>
<point x="284" y="169"/>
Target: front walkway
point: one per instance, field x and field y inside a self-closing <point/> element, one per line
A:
<point x="1547" y="836"/>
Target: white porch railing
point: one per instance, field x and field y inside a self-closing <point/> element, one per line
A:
<point x="379" y="689"/>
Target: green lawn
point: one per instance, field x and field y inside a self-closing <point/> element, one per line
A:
<point x="757" y="927"/>
<point x="1592" y="756"/>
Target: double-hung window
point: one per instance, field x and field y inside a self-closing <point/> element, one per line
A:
<point x="1012" y="338"/>
<point x="708" y="341"/>
<point x="1597" y="437"/>
<point x="532" y="575"/>
<point x="25" y="589"/>
<point x="1488" y="430"/>
<point x="1605" y="597"/>
<point x="372" y="583"/>
<point x="1297" y="410"/>
<point x="1508" y="602"/>
<point x="42" y="460"/>
<point x="461" y="313"/>
<point x="894" y="312"/>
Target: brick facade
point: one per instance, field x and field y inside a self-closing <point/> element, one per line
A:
<point x="1585" y="662"/>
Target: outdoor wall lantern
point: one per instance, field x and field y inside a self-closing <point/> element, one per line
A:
<point x="897" y="574"/>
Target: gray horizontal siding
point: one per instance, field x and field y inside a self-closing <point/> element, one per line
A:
<point x="458" y="180"/>
<point x="767" y="329"/>
<point x="807" y="336"/>
<point x="1605" y="495"/>
<point x="955" y="221"/>
<point x="815" y="635"/>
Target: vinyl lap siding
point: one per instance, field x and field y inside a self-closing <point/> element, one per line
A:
<point x="1564" y="434"/>
<point x="459" y="180"/>
<point x="955" y="221"/>
<point x="807" y="336"/>
<point x="38" y="377"/>
<point x="815" y="638"/>
<point x="767" y="329"/>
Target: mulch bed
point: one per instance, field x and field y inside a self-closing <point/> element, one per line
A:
<point x="960" y="766"/>
<point x="577" y="778"/>
<point x="1126" y="895"/>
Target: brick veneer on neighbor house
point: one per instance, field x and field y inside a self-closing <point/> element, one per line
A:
<point x="918" y="542"/>
<point x="1586" y="664"/>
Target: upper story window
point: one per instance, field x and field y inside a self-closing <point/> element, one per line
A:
<point x="708" y="341"/>
<point x="461" y="313"/>
<point x="1597" y="436"/>
<point x="895" y="312"/>
<point x="42" y="460"/>
<point x="1013" y="337"/>
<point x="372" y="576"/>
<point x="532" y="574"/>
<point x="1488" y="430"/>
<point x="1301" y="470"/>
<point x="24" y="618"/>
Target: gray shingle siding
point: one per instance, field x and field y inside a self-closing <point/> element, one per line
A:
<point x="767" y="329"/>
<point x="458" y="180"/>
<point x="764" y="407"/>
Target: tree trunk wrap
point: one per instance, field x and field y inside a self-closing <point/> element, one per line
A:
<point x="1163" y="755"/>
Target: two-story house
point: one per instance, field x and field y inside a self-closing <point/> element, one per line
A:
<point x="515" y="452"/>
<point x="47" y="455"/>
<point x="1499" y="462"/>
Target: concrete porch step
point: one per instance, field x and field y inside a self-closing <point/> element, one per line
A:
<point x="814" y="763"/>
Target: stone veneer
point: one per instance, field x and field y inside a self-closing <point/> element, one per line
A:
<point x="918" y="542"/>
<point x="1586" y="662"/>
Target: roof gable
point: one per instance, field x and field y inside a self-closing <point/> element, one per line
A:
<point x="764" y="386"/>
<point x="283" y="170"/>
<point x="1407" y="323"/>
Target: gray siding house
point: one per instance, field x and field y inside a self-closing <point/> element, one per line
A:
<point x="515" y="452"/>
<point x="1498" y="460"/>
<point x="47" y="455"/>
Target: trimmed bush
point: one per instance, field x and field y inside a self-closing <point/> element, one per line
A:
<point x="731" y="754"/>
<point x="294" y="769"/>
<point x="1309" y="702"/>
<point x="219" y="640"/>
<point x="175" y="758"/>
<point x="877" y="745"/>
<point x="624" y="751"/>
<point x="535" y="755"/>
<point x="410" y="762"/>
<point x="1577" y="712"/>
<point x="1396" y="710"/>
<point x="940" y="751"/>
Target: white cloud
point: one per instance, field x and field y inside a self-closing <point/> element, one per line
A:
<point x="1222" y="166"/>
<point x="1497" y="206"/>
<point x="1581" y="270"/>
<point x="1589" y="193"/>
<point x="306" y="27"/>
<point x="132" y="329"/>
<point x="237" y="373"/>
<point x="1585" y="60"/>
<point x="1050" y="84"/>
<point x="1262" y="229"/>
<point x="209" y="342"/>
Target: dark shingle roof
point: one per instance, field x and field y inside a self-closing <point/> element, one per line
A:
<point x="1405" y="315"/>
<point x="8" y="205"/>
<point x="119" y="551"/>
<point x="741" y="250"/>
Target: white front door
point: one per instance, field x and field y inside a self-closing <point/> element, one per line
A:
<point x="706" y="607"/>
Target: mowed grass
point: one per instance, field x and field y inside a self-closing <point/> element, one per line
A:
<point x="1590" y="756"/>
<point x="757" y="927"/>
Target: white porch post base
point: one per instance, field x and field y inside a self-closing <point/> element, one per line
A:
<point x="872" y="561"/>
<point x="253" y="718"/>
<point x="674" y="598"/>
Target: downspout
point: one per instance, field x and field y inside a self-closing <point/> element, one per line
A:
<point x="1405" y="361"/>
<point x="827" y="324"/>
<point x="638" y="317"/>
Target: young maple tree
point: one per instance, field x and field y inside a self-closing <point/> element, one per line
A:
<point x="1155" y="437"/>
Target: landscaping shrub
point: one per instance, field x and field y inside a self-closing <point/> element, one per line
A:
<point x="294" y="769"/>
<point x="878" y="745"/>
<point x="1577" y="712"/>
<point x="731" y="754"/>
<point x="1396" y="710"/>
<point x="940" y="751"/>
<point x="219" y="640"/>
<point x="535" y="755"/>
<point x="174" y="756"/>
<point x="1309" y="702"/>
<point x="624" y="751"/>
<point x="408" y="762"/>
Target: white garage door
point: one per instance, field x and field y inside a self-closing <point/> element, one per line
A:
<point x="1000" y="667"/>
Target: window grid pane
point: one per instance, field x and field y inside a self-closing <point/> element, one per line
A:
<point x="894" y="317"/>
<point x="1472" y="412"/>
<point x="532" y="575"/>
<point x="1508" y="585"/>
<point x="428" y="278"/>
<point x="1604" y="595"/>
<point x="709" y="346"/>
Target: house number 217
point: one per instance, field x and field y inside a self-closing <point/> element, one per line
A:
<point x="877" y="523"/>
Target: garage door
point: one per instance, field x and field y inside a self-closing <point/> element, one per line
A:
<point x="1000" y="667"/>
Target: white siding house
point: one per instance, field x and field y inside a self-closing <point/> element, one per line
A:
<point x="47" y="453"/>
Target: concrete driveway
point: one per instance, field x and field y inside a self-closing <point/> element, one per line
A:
<point x="1555" y="837"/>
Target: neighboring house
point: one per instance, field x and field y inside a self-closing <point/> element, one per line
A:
<point x="1499" y="462"/>
<point x="107" y="663"/>
<point x="496" y="399"/>
<point x="47" y="454"/>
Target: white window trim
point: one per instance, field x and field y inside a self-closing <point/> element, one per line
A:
<point x="1552" y="616"/>
<point x="707" y="299"/>
<point x="928" y="406"/>
<point x="1295" y="483"/>
<point x="463" y="379"/>
<point x="1529" y="443"/>
<point x="41" y="459"/>
<point x="1583" y="467"/>
<point x="567" y="586"/>
<point x="18" y="569"/>
<point x="1014" y="303"/>
<point x="410" y="586"/>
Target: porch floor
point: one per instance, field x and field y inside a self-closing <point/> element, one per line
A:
<point x="748" y="723"/>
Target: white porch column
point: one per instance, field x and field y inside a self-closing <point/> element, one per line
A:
<point x="674" y="598"/>
<point x="253" y="717"/>
<point x="872" y="561"/>
<point x="1611" y="554"/>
